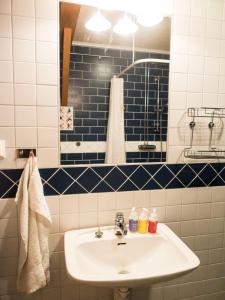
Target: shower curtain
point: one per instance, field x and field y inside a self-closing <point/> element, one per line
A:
<point x="115" y="148"/>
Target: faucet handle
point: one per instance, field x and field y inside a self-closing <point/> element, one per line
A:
<point x="119" y="216"/>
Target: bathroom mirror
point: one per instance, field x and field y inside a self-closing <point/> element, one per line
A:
<point x="90" y="124"/>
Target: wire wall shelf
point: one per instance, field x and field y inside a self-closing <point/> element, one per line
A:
<point x="213" y="153"/>
<point x="209" y="151"/>
<point x="203" y="112"/>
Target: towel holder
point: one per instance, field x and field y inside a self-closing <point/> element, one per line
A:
<point x="25" y="153"/>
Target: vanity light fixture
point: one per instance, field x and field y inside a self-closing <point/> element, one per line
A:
<point x="125" y="26"/>
<point x="98" y="23"/>
<point x="147" y="21"/>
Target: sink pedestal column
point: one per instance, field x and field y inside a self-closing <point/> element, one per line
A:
<point x="121" y="294"/>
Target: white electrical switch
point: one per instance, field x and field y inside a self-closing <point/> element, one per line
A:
<point x="2" y="149"/>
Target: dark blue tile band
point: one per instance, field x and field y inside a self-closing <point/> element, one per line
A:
<point x="77" y="180"/>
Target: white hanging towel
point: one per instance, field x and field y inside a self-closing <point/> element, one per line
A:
<point x="115" y="147"/>
<point x="34" y="224"/>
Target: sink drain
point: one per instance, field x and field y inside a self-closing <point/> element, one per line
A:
<point x="123" y="272"/>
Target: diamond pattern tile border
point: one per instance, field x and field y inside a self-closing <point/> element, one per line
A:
<point x="79" y="180"/>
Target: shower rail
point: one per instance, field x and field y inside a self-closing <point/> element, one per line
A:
<point x="144" y="60"/>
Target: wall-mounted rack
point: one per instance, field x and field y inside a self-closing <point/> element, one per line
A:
<point x="209" y="151"/>
<point x="202" y="112"/>
<point x="204" y="154"/>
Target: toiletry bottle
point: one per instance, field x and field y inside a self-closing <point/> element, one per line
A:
<point x="153" y="221"/>
<point x="133" y="220"/>
<point x="143" y="221"/>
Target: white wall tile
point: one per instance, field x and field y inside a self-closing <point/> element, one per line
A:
<point x="212" y="47"/>
<point x="194" y="99"/>
<point x="46" y="30"/>
<point x="25" y="116"/>
<point x="197" y="26"/>
<point x="24" y="28"/>
<point x="196" y="45"/>
<point x="24" y="72"/>
<point x="5" y="7"/>
<point x="47" y="95"/>
<point x="48" y="157"/>
<point x="195" y="64"/>
<point x="177" y="118"/>
<point x="215" y="9"/>
<point x="8" y="134"/>
<point x="48" y="137"/>
<point x="178" y="82"/>
<point x="6" y="92"/>
<point x="181" y="25"/>
<point x="5" y="26"/>
<point x="6" y="71"/>
<point x="88" y="219"/>
<point x="69" y="222"/>
<point x="23" y="8"/>
<point x="210" y="84"/>
<point x="6" y="116"/>
<point x="47" y="74"/>
<point x="195" y="83"/>
<point x="26" y="137"/>
<point x="178" y="100"/>
<point x="25" y="94"/>
<point x="69" y="204"/>
<point x="6" y="49"/>
<point x="222" y="84"/>
<point x="198" y="8"/>
<point x="88" y="202"/>
<point x="47" y="116"/>
<point x="9" y="162"/>
<point x="182" y="7"/>
<point x="23" y="50"/>
<point x="212" y="66"/>
<point x="179" y="44"/>
<point x="213" y="29"/>
<point x="179" y="63"/>
<point x="46" y="9"/>
<point x="46" y="52"/>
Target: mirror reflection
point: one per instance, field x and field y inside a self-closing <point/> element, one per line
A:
<point x="114" y="86"/>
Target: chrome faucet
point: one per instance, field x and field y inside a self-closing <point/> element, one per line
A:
<point x="120" y="225"/>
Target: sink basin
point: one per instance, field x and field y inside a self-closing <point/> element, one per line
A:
<point x="130" y="261"/>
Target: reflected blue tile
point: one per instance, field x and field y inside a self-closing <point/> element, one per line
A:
<point x="152" y="169"/>
<point x="174" y="184"/>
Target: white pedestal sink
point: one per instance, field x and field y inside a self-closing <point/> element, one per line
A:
<point x="130" y="261"/>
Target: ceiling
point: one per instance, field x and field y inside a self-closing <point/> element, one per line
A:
<point x="153" y="38"/>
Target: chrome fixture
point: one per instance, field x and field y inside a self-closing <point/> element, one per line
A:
<point x="98" y="233"/>
<point x="120" y="225"/>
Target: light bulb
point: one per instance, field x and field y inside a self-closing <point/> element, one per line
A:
<point x="125" y="26"/>
<point x="98" y="23"/>
<point x="149" y="20"/>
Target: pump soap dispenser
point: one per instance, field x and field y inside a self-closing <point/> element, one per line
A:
<point x="143" y="221"/>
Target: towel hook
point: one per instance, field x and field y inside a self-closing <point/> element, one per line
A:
<point x="25" y="153"/>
